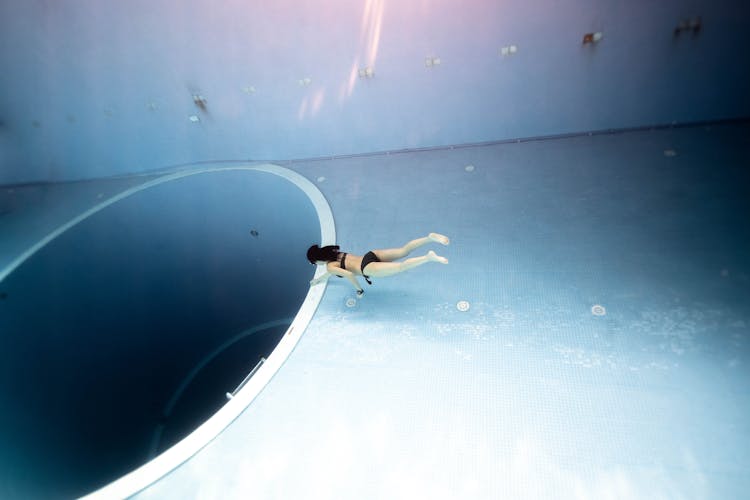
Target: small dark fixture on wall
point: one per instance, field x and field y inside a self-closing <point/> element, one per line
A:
<point x="201" y="102"/>
<point x="591" y="38"/>
<point x="693" y="26"/>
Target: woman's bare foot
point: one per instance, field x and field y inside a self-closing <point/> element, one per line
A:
<point x="439" y="238"/>
<point x="432" y="256"/>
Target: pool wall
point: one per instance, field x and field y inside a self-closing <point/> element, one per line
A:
<point x="92" y="90"/>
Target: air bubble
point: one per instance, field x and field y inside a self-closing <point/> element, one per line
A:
<point x="463" y="306"/>
<point x="469" y="168"/>
<point x="351" y="302"/>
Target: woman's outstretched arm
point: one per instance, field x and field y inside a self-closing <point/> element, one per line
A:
<point x="333" y="268"/>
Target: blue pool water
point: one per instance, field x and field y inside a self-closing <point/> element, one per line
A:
<point x="604" y="351"/>
<point x="588" y="339"/>
<point x="604" y="354"/>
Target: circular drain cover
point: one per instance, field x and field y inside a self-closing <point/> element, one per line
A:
<point x="598" y="310"/>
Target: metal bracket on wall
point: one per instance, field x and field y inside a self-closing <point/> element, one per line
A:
<point x="230" y="395"/>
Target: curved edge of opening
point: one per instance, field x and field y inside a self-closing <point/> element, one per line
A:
<point x="156" y="440"/>
<point x="150" y="472"/>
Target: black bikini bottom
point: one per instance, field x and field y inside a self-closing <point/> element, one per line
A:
<point x="367" y="259"/>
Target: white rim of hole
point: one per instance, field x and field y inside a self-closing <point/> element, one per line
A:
<point x="153" y="470"/>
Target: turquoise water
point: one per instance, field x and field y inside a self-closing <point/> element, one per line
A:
<point x="603" y="352"/>
<point x="587" y="340"/>
<point x="529" y="393"/>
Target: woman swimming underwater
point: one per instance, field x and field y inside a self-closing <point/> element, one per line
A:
<point x="375" y="264"/>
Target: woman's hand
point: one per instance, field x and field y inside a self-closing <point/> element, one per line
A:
<point x="320" y="279"/>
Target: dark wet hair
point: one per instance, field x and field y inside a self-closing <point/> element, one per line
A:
<point x="328" y="253"/>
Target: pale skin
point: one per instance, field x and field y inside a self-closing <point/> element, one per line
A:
<point x="387" y="266"/>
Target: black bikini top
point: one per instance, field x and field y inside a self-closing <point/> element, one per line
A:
<point x="341" y="257"/>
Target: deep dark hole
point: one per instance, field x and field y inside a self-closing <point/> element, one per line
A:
<point x="102" y="326"/>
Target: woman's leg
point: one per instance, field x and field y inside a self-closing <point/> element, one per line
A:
<point x="382" y="269"/>
<point x="391" y="254"/>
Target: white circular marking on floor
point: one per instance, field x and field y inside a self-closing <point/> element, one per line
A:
<point x="469" y="168"/>
<point x="351" y="302"/>
<point x="598" y="310"/>
<point x="463" y="306"/>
